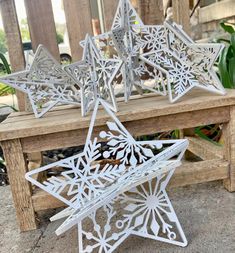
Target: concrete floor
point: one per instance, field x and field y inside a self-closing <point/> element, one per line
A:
<point x="206" y="212"/>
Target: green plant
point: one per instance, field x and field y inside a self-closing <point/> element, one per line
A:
<point x="6" y="66"/>
<point x="4" y="89"/>
<point x="211" y="133"/>
<point x="3" y="43"/>
<point x="227" y="60"/>
<point x="59" y="38"/>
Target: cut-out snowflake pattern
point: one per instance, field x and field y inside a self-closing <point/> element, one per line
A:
<point x="100" y="236"/>
<point x="96" y="74"/>
<point x="45" y="83"/>
<point x="124" y="147"/>
<point x="128" y="39"/>
<point x="82" y="180"/>
<point x="187" y="64"/>
<point x="150" y="212"/>
<point x="145" y="211"/>
<point x="89" y="188"/>
<point x="131" y="38"/>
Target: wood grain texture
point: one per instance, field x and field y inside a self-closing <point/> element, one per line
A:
<point x="20" y="187"/>
<point x="204" y="149"/>
<point x="109" y="11"/>
<point x="136" y="127"/>
<point x="151" y="11"/>
<point x="187" y="174"/>
<point x="14" y="42"/>
<point x="229" y="142"/>
<point x="42" y="25"/>
<point x="200" y="172"/>
<point x="181" y="13"/>
<point x="144" y="109"/>
<point x="79" y="23"/>
<point x="217" y="11"/>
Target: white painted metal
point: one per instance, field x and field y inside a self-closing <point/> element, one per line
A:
<point x="186" y="63"/>
<point x="86" y="186"/>
<point x="127" y="39"/>
<point x="159" y="58"/>
<point x="45" y="82"/>
<point x="96" y="74"/>
<point x="145" y="211"/>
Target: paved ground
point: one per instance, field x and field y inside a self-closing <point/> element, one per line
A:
<point x="206" y="211"/>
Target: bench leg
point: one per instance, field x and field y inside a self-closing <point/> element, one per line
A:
<point x="229" y="144"/>
<point x="20" y="187"/>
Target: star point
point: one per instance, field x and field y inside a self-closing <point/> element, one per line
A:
<point x="88" y="186"/>
<point x="96" y="74"/>
<point x="187" y="64"/>
<point x="45" y="83"/>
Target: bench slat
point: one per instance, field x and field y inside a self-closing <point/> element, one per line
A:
<point x="146" y="107"/>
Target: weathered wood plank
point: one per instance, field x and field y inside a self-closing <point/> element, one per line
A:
<point x="42" y="25"/>
<point x="151" y="11"/>
<point x="136" y="127"/>
<point x="200" y="172"/>
<point x="14" y="42"/>
<point x="109" y="11"/>
<point x="204" y="149"/>
<point x="181" y="13"/>
<point x="229" y="143"/>
<point x="20" y="187"/>
<point x="79" y="23"/>
<point x="147" y="107"/>
<point x="217" y="11"/>
<point x="191" y="173"/>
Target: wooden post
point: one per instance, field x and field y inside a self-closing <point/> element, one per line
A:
<point x="181" y="13"/>
<point x="109" y="11"/>
<point x="229" y="145"/>
<point x="151" y="11"/>
<point x="79" y="23"/>
<point x="42" y="25"/>
<point x="20" y="187"/>
<point x="14" y="42"/>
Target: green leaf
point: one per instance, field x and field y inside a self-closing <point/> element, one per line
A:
<point x="5" y="90"/>
<point x="227" y="27"/>
<point x="232" y="70"/>
<point x="222" y="40"/>
<point x="8" y="106"/>
<point x="233" y="43"/>
<point x="198" y="132"/>
<point x="223" y="70"/>
<point x="5" y="63"/>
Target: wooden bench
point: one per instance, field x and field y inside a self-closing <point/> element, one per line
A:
<point x="22" y="134"/>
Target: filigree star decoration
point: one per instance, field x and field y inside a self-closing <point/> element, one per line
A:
<point x="187" y="64"/>
<point x="162" y="58"/>
<point x="131" y="37"/>
<point x="146" y="212"/>
<point x="128" y="38"/>
<point x="45" y="82"/>
<point x="100" y="174"/>
<point x="96" y="74"/>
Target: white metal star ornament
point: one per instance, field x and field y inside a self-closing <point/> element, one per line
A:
<point x="131" y="37"/>
<point x="128" y="38"/>
<point x="45" y="83"/>
<point x="97" y="176"/>
<point x="146" y="211"/>
<point x="186" y="63"/>
<point x="96" y="74"/>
